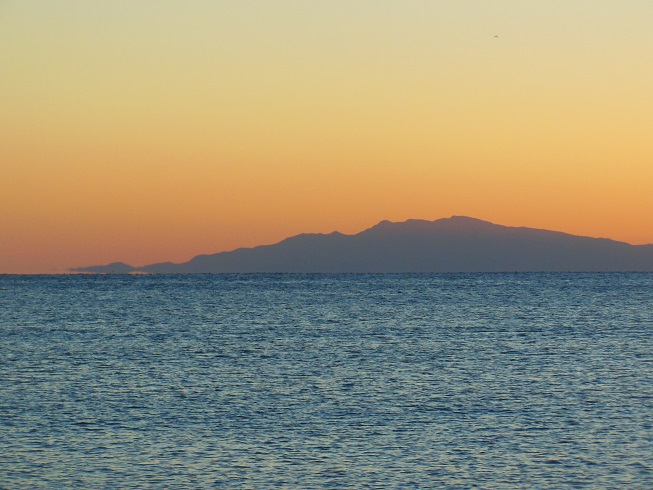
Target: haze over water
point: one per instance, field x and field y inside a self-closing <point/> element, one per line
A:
<point x="327" y="381"/>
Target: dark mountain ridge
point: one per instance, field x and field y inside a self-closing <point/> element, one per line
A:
<point x="456" y="244"/>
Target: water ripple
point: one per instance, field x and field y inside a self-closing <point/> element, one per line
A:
<point x="327" y="381"/>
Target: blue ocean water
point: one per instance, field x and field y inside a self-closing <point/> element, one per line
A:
<point x="327" y="381"/>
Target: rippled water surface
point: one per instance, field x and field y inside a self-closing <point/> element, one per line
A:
<point x="327" y="381"/>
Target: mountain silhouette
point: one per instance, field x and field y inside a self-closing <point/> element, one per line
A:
<point x="456" y="244"/>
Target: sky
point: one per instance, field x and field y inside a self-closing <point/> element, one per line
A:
<point x="156" y="130"/>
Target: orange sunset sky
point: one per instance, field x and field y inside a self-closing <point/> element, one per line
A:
<point x="154" y="130"/>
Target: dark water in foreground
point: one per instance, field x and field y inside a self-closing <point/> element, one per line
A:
<point x="327" y="381"/>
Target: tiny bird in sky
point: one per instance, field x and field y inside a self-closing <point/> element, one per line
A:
<point x="497" y="36"/>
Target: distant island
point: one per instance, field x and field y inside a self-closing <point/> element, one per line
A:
<point x="456" y="244"/>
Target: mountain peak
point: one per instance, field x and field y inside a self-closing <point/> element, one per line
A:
<point x="452" y="223"/>
<point x="455" y="244"/>
<point x="466" y="222"/>
<point x="464" y="219"/>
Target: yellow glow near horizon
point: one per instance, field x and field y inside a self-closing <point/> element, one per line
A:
<point x="148" y="131"/>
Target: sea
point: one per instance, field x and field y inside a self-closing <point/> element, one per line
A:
<point x="327" y="381"/>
